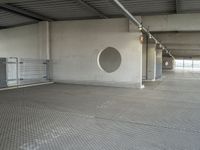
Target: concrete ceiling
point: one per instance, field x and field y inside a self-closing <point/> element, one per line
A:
<point x="20" y="12"/>
<point x="181" y="44"/>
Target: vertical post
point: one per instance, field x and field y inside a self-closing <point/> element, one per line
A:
<point x="48" y="40"/>
<point x="147" y="59"/>
<point x="44" y="40"/>
<point x="151" y="62"/>
<point x="158" y="63"/>
<point x="17" y="71"/>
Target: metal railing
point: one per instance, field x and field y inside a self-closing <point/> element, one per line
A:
<point x="23" y="71"/>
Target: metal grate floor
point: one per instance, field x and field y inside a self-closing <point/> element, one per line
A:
<point x="73" y="117"/>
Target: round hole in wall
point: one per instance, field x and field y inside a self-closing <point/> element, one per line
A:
<point x="109" y="59"/>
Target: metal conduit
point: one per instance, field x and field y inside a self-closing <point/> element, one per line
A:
<point x="140" y="26"/>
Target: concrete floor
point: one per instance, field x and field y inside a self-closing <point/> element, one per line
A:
<point x="163" y="116"/>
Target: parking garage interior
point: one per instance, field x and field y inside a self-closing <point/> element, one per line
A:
<point x="99" y="75"/>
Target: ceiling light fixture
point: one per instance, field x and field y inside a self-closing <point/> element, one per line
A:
<point x="140" y="28"/>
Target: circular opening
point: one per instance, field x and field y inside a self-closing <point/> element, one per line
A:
<point x="109" y="59"/>
<point x="166" y="63"/>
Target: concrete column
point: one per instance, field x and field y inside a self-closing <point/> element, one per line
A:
<point x="44" y="40"/>
<point x="151" y="68"/>
<point x="158" y="63"/>
<point x="144" y="61"/>
<point x="168" y="63"/>
<point x="144" y="58"/>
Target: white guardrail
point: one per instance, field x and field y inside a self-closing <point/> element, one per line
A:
<point x="16" y="72"/>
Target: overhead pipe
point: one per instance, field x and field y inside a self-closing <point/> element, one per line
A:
<point x="137" y="23"/>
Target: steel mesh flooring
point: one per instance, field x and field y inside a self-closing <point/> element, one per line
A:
<point x="73" y="117"/>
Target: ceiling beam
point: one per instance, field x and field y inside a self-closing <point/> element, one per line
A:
<point x="188" y="50"/>
<point x="2" y="27"/>
<point x="92" y="9"/>
<point x="13" y="1"/>
<point x="184" y="46"/>
<point x="177" y="9"/>
<point x="22" y="12"/>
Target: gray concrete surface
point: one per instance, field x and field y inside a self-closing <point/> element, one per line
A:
<point x="159" y="62"/>
<point x="76" y="45"/>
<point x="175" y="22"/>
<point x="151" y="68"/>
<point x="30" y="41"/>
<point x="163" y="116"/>
<point x="181" y="44"/>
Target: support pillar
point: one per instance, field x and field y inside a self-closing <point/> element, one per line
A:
<point x="44" y="40"/>
<point x="158" y="63"/>
<point x="151" y="68"/>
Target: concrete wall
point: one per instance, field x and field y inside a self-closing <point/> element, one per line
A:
<point x="75" y="46"/>
<point x="32" y="42"/>
<point x="23" y="42"/>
